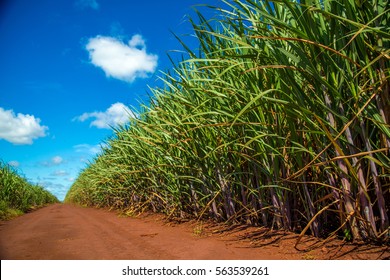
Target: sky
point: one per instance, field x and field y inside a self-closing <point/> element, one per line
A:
<point x="72" y="69"/>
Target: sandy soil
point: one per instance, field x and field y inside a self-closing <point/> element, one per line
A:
<point x="62" y="232"/>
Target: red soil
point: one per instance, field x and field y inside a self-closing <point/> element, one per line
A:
<point x="63" y="231"/>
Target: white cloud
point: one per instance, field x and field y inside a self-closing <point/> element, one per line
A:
<point x="119" y="60"/>
<point x="57" y="160"/>
<point x="87" y="149"/>
<point x="117" y="114"/>
<point x="20" y="129"/>
<point x="82" y="4"/>
<point x="14" y="163"/>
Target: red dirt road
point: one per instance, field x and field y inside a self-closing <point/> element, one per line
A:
<point x="67" y="232"/>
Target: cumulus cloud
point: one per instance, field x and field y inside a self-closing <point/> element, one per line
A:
<point x="83" y="4"/>
<point x="20" y="129"/>
<point x="119" y="60"/>
<point x="117" y="114"/>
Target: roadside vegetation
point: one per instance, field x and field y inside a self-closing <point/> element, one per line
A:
<point x="280" y="119"/>
<point x="18" y="196"/>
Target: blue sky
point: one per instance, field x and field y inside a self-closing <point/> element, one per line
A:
<point x="70" y="69"/>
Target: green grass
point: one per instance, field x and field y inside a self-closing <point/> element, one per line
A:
<point x="18" y="196"/>
<point x="279" y="119"/>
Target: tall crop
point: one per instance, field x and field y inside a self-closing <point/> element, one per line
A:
<point x="17" y="195"/>
<point x="281" y="118"/>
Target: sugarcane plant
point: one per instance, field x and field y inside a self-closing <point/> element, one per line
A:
<point x="280" y="118"/>
<point x="18" y="195"/>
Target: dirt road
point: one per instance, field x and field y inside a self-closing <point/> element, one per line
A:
<point x="62" y="231"/>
